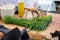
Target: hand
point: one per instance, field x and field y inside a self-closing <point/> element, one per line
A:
<point x="1" y="35"/>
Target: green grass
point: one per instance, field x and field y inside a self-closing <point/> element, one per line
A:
<point x="37" y="23"/>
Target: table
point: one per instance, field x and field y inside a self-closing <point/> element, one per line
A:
<point x="46" y="5"/>
<point x="32" y="34"/>
<point x="52" y="27"/>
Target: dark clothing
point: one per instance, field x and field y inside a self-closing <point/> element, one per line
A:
<point x="14" y="34"/>
<point x="24" y="35"/>
<point x="3" y="29"/>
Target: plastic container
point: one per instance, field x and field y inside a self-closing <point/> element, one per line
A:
<point x="20" y="8"/>
<point x="7" y="9"/>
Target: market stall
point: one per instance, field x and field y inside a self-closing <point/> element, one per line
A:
<point x="30" y="21"/>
